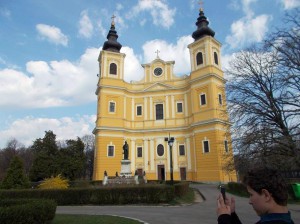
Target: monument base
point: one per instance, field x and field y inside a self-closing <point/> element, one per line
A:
<point x="125" y="168"/>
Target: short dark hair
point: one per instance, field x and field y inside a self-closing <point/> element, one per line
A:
<point x="270" y="180"/>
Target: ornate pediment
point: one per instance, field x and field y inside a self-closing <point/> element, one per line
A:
<point x="158" y="86"/>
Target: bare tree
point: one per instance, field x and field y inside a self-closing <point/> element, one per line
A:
<point x="263" y="102"/>
<point x="89" y="150"/>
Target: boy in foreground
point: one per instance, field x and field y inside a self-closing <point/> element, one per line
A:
<point x="268" y="197"/>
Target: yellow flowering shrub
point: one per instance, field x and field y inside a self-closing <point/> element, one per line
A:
<point x="57" y="182"/>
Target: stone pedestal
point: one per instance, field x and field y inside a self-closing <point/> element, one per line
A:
<point x="125" y="168"/>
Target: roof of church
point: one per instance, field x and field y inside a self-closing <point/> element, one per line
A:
<point x="202" y="27"/>
<point x="112" y="44"/>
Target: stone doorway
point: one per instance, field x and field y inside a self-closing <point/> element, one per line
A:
<point x="161" y="172"/>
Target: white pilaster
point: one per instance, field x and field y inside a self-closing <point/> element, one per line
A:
<point x="173" y="106"/>
<point x="152" y="154"/>
<point x="175" y="156"/>
<point x="167" y="107"/>
<point x="186" y="113"/>
<point x="188" y="152"/>
<point x="146" y="154"/>
<point x="132" y="109"/>
<point x="151" y="108"/>
<point x="132" y="156"/>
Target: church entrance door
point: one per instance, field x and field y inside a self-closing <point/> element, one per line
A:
<point x="183" y="173"/>
<point x="161" y="172"/>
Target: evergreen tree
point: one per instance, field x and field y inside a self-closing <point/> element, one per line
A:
<point x="15" y="177"/>
<point x="72" y="159"/>
<point x="46" y="157"/>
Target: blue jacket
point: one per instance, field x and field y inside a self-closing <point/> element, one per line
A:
<point x="273" y="218"/>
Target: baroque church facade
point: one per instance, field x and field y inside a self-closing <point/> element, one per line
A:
<point x="162" y="106"/>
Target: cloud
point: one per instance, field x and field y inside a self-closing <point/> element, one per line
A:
<point x="168" y="51"/>
<point x="85" y="25"/>
<point x="119" y="6"/>
<point x="27" y="129"/>
<point x="290" y="4"/>
<point x="52" y="34"/>
<point x="5" y="13"/>
<point x="50" y="84"/>
<point x="102" y="30"/>
<point x="132" y="70"/>
<point x="161" y="14"/>
<point x="248" y="30"/>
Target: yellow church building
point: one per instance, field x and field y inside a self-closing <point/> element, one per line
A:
<point x="191" y="110"/>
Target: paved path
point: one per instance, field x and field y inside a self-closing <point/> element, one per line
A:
<point x="197" y="213"/>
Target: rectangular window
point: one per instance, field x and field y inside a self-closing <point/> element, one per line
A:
<point x="159" y="109"/>
<point x="202" y="99"/>
<point x="205" y="146"/>
<point x="110" y="151"/>
<point x="179" y="107"/>
<point x="220" y="99"/>
<point x="139" y="111"/>
<point x="181" y="150"/>
<point x="139" y="152"/>
<point x="226" y="146"/>
<point x="112" y="107"/>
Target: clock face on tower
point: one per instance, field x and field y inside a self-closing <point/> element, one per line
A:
<point x="158" y="71"/>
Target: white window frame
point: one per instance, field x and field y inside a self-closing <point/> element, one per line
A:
<point x="163" y="108"/>
<point x="201" y="94"/>
<point x="108" y="150"/>
<point x="203" y="146"/>
<point x="137" y="153"/>
<point x="115" y="107"/>
<point x="139" y="115"/>
<point x="163" y="148"/>
<point x="179" y="149"/>
<point x="179" y="102"/>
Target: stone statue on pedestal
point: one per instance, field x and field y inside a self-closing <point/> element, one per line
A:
<point x="125" y="150"/>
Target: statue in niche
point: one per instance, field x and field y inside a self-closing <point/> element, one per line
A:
<point x="125" y="150"/>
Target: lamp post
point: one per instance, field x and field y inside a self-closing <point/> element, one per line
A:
<point x="170" y="141"/>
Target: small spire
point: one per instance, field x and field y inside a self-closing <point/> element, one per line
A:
<point x="202" y="26"/>
<point x="201" y="3"/>
<point x="157" y="52"/>
<point x="112" y="43"/>
<point x="113" y="20"/>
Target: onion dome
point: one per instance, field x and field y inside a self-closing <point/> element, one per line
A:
<point x="203" y="29"/>
<point x="112" y="44"/>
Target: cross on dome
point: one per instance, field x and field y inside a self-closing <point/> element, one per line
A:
<point x="113" y="20"/>
<point x="201" y="3"/>
<point x="157" y="52"/>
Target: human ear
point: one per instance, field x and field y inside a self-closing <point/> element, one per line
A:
<point x="266" y="194"/>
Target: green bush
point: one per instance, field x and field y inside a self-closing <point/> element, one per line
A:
<point x="181" y="188"/>
<point x="99" y="196"/>
<point x="24" y="211"/>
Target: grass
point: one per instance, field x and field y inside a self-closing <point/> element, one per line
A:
<point x="91" y="219"/>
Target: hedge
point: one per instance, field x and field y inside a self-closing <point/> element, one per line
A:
<point x="181" y="188"/>
<point x="99" y="196"/>
<point x="24" y="211"/>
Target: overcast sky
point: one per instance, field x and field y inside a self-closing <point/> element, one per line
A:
<point x="49" y="51"/>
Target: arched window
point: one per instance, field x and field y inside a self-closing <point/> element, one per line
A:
<point x="113" y="69"/>
<point x="199" y="58"/>
<point x="160" y="150"/>
<point x="216" y="58"/>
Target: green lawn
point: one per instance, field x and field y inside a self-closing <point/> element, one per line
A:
<point x="91" y="219"/>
